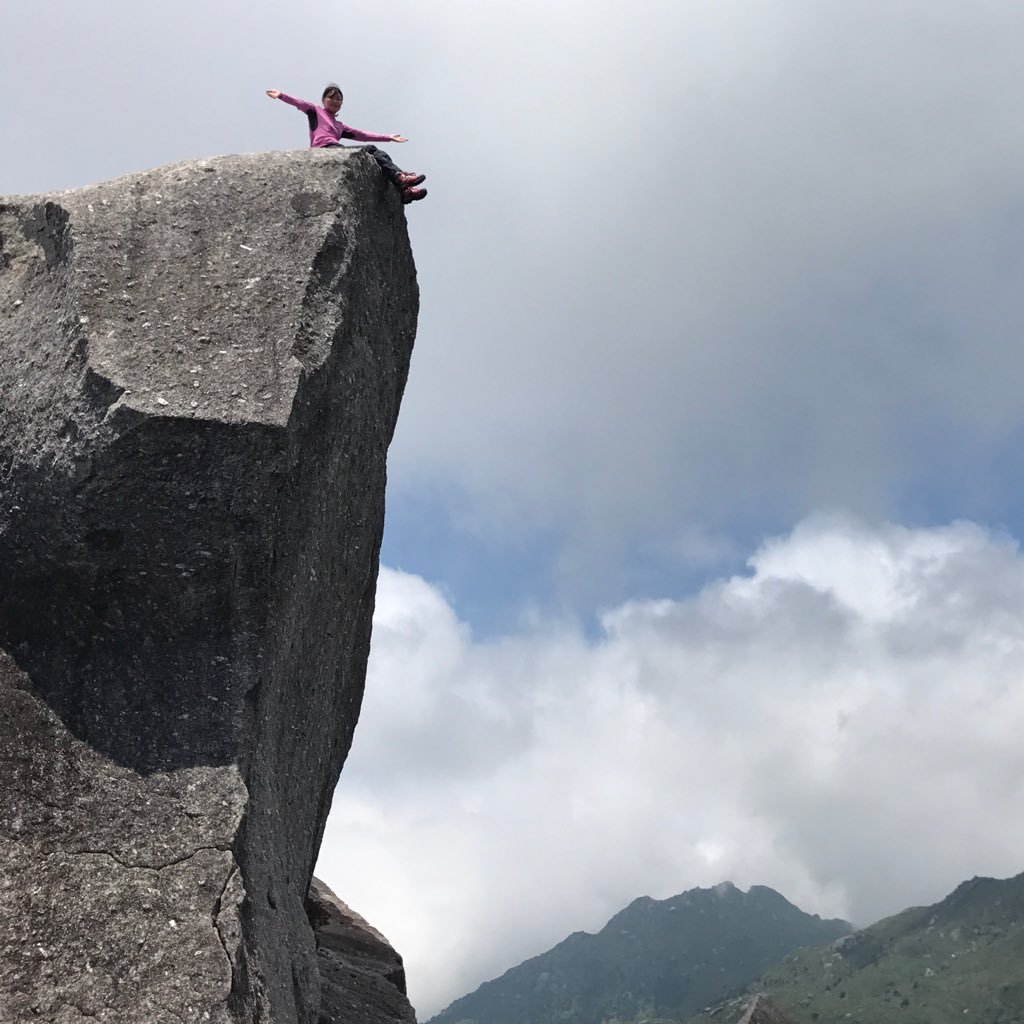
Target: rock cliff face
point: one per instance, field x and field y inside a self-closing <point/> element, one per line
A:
<point x="361" y="977"/>
<point x="200" y="372"/>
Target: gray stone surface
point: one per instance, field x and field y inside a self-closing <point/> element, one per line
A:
<point x="362" y="977"/>
<point x="200" y="371"/>
<point x="763" y="1011"/>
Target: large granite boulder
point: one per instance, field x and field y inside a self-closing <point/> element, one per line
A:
<point x="200" y="371"/>
<point x="361" y="976"/>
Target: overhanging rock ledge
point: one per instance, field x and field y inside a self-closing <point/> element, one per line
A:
<point x="200" y="372"/>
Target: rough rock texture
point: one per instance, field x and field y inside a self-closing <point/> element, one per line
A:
<point x="200" y="371"/>
<point x="362" y="977"/>
<point x="763" y="1011"/>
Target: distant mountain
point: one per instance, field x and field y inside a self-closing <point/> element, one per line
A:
<point x="655" y="959"/>
<point x="959" y="960"/>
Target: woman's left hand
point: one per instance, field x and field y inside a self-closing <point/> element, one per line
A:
<point x="399" y="138"/>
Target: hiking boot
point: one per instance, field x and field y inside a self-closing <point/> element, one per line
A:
<point x="406" y="179"/>
<point x="410" y="195"/>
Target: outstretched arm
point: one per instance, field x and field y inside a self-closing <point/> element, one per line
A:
<point x="359" y="135"/>
<point x="276" y="94"/>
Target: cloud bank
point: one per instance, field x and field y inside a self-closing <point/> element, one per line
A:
<point x="749" y="260"/>
<point x="842" y="723"/>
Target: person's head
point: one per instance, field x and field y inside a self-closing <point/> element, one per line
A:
<point x="332" y="98"/>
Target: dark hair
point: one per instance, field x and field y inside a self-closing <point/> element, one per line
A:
<point x="329" y="88"/>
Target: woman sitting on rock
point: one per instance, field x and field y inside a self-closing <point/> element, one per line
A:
<point x="325" y="131"/>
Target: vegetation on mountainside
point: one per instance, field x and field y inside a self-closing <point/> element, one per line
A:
<point x="654" y="960"/>
<point x="959" y="960"/>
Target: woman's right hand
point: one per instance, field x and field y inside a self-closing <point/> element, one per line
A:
<point x="274" y="93"/>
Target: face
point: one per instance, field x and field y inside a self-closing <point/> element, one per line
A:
<point x="332" y="102"/>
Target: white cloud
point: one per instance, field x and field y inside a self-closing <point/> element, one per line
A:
<point x="685" y="266"/>
<point x="762" y="258"/>
<point x="841" y="723"/>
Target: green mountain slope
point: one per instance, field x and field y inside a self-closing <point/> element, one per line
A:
<point x="655" y="959"/>
<point x="959" y="960"/>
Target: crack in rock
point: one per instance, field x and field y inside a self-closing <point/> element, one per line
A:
<point x="141" y="866"/>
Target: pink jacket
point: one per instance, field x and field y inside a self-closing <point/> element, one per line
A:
<point x="326" y="130"/>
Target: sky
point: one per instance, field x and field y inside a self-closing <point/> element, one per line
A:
<point x="702" y="549"/>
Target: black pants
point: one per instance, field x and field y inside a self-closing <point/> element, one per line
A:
<point x="384" y="162"/>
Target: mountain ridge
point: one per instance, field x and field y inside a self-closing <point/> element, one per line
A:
<point x="653" y="958"/>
